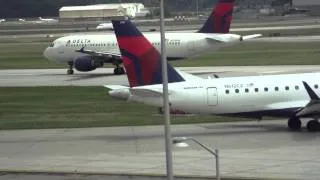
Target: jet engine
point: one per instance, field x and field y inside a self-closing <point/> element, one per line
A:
<point x="86" y="63"/>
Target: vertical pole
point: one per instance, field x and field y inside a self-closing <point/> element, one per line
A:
<point x="217" y="164"/>
<point x="197" y="8"/>
<point x="168" y="142"/>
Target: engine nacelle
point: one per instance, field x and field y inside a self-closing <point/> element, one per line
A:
<point x="86" y="63"/>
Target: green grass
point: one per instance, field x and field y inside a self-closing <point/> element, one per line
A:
<point x="28" y="55"/>
<point x="259" y="54"/>
<point x="78" y="107"/>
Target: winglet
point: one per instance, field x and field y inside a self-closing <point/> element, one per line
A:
<point x="312" y="94"/>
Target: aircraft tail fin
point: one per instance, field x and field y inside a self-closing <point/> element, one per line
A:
<point x="141" y="60"/>
<point x="220" y="18"/>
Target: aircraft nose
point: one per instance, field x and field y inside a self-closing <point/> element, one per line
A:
<point x="47" y="53"/>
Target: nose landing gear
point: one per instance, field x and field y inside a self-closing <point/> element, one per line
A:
<point x="118" y="70"/>
<point x="70" y="70"/>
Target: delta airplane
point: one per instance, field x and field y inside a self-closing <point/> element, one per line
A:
<point x="88" y="52"/>
<point x="293" y="96"/>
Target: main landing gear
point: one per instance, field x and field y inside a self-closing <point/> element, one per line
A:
<point x="294" y="123"/>
<point x="118" y="70"/>
<point x="70" y="70"/>
<point x="313" y="125"/>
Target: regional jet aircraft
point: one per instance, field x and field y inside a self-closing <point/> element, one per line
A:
<point x="48" y="20"/>
<point x="88" y="52"/>
<point x="293" y="96"/>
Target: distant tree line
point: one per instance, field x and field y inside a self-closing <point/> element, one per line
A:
<point x="50" y="8"/>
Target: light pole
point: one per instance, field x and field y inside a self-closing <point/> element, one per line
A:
<point x="168" y="144"/>
<point x="179" y="140"/>
<point x="197" y="8"/>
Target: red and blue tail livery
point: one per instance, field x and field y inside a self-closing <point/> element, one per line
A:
<point x="141" y="60"/>
<point x="220" y="19"/>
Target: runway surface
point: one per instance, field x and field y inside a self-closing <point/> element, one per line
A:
<point x="247" y="149"/>
<point x="99" y="77"/>
<point x="53" y="32"/>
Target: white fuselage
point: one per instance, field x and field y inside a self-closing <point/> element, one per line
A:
<point x="179" y="45"/>
<point x="270" y="94"/>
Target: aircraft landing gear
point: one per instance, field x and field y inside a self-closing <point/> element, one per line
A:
<point x="118" y="70"/>
<point x="313" y="125"/>
<point x="70" y="70"/>
<point x="294" y="123"/>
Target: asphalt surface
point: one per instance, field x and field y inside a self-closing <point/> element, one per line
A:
<point x="102" y="76"/>
<point x="263" y="149"/>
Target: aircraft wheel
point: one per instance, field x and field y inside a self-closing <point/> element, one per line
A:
<point x="122" y="71"/>
<point x="118" y="71"/>
<point x="70" y="71"/>
<point x="294" y="123"/>
<point x="313" y="126"/>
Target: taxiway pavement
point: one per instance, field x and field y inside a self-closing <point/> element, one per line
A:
<point x="102" y="76"/>
<point x="263" y="149"/>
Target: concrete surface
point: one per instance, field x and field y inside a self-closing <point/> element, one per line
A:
<point x="248" y="149"/>
<point x="102" y="76"/>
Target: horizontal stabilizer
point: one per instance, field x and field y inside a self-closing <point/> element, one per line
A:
<point x="251" y="36"/>
<point x="113" y="87"/>
<point x="145" y="93"/>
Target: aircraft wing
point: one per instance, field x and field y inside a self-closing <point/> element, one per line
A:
<point x="231" y="38"/>
<point x="313" y="107"/>
<point x="107" y="55"/>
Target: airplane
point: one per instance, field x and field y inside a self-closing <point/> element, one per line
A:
<point x="105" y="26"/>
<point x="47" y="19"/>
<point x="21" y="20"/>
<point x="2" y="20"/>
<point x="293" y="96"/>
<point x="86" y="52"/>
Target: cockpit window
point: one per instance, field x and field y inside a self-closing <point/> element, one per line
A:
<point x="51" y="44"/>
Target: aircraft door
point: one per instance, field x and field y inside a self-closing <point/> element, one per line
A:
<point x="212" y="96"/>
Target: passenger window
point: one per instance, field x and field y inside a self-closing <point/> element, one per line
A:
<point x="246" y="90"/>
<point x="276" y="88"/>
<point x="316" y="86"/>
<point x="237" y="90"/>
<point x="296" y="87"/>
<point x="266" y="89"/>
<point x="287" y="88"/>
<point x="256" y="89"/>
<point x="227" y="91"/>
